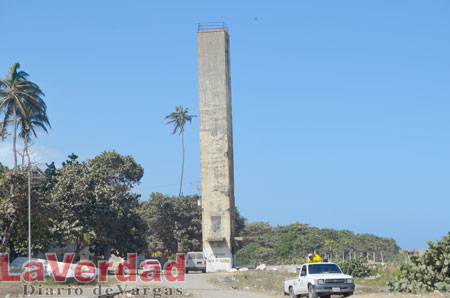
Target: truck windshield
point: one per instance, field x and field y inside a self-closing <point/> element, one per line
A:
<point x="323" y="268"/>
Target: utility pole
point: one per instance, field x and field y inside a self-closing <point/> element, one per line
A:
<point x="29" y="215"/>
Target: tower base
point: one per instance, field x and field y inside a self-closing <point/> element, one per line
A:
<point x="218" y="258"/>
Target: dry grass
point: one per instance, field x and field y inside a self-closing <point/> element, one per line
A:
<point x="272" y="283"/>
<point x="11" y="288"/>
<point x="377" y="283"/>
<point x="267" y="282"/>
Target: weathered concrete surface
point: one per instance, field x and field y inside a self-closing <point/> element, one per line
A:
<point x="216" y="147"/>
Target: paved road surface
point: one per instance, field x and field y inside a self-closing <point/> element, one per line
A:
<point x="198" y="284"/>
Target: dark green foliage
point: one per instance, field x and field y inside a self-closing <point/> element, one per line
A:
<point x="248" y="255"/>
<point x="86" y="203"/>
<point x="14" y="210"/>
<point x="356" y="268"/>
<point x="291" y="244"/>
<point x="118" y="228"/>
<point x="72" y="159"/>
<point x="3" y="169"/>
<point x="174" y="224"/>
<point x="426" y="273"/>
<point x="96" y="205"/>
<point x="252" y="254"/>
<point x="259" y="232"/>
<point x="239" y="223"/>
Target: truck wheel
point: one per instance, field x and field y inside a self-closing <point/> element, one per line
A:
<point x="311" y="292"/>
<point x="348" y="294"/>
<point x="291" y="293"/>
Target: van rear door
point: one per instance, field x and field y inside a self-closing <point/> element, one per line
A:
<point x="200" y="259"/>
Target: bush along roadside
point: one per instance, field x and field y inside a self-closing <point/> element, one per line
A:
<point x="356" y="268"/>
<point x="426" y="273"/>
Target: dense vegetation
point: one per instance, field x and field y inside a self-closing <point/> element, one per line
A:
<point x="291" y="244"/>
<point x="86" y="203"/>
<point x="426" y="273"/>
<point x="174" y="223"/>
<point x="357" y="268"/>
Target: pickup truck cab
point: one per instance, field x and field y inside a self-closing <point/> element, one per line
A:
<point x="320" y="280"/>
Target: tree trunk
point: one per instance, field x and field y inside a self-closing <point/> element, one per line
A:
<point x="23" y="156"/>
<point x="77" y="253"/>
<point x="14" y="137"/>
<point x="107" y="253"/>
<point x="7" y="236"/>
<point x="80" y="246"/>
<point x="182" y="164"/>
<point x="27" y="150"/>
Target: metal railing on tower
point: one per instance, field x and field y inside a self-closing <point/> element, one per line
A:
<point x="212" y="26"/>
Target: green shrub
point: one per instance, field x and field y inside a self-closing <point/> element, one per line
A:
<point x="247" y="256"/>
<point x="427" y="273"/>
<point x="356" y="268"/>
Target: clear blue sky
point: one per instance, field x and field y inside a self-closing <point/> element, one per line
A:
<point x="341" y="108"/>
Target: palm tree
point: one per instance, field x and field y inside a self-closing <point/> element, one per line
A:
<point x="34" y="119"/>
<point x="179" y="118"/>
<point x="21" y="98"/>
<point x="16" y="93"/>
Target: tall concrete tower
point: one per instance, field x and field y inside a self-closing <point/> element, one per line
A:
<point x="216" y="146"/>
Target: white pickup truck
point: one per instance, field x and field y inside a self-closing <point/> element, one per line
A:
<point x="320" y="280"/>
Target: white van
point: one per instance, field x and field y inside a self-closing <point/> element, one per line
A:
<point x="195" y="261"/>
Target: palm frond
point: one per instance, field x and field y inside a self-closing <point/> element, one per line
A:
<point x="179" y="118"/>
<point x="13" y="72"/>
<point x="3" y="101"/>
<point x="34" y="118"/>
<point x="4" y="84"/>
